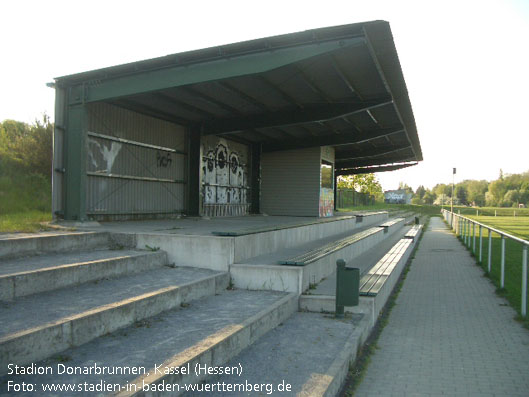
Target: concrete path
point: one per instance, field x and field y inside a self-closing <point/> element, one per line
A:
<point x="449" y="334"/>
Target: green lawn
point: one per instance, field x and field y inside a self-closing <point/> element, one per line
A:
<point x="25" y="201"/>
<point x="28" y="221"/>
<point x="517" y="226"/>
<point x="432" y="210"/>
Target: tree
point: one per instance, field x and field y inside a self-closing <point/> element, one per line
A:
<point x="363" y="183"/>
<point x="497" y="190"/>
<point x="511" y="198"/>
<point x="420" y="192"/>
<point x="461" y="194"/>
<point x="404" y="186"/>
<point x="27" y="148"/>
<point x="476" y="192"/>
<point x="428" y="197"/>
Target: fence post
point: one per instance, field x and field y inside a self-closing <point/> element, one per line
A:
<point x="524" y="281"/>
<point x="490" y="250"/>
<point x="480" y="243"/>
<point x="473" y="237"/>
<point x="502" y="281"/>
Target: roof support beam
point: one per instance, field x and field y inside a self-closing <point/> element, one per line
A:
<point x="218" y="69"/>
<point x="345" y="138"/>
<point x="309" y="114"/>
<point x="381" y="161"/>
<point x="150" y="111"/>
<point x="377" y="151"/>
<point x="368" y="170"/>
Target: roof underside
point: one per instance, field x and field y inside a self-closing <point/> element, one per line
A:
<point x="340" y="86"/>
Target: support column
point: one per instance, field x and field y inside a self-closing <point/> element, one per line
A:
<point x="194" y="161"/>
<point x="255" y="182"/>
<point x="75" y="163"/>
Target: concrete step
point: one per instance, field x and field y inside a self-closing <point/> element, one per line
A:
<point x="322" y="298"/>
<point x="264" y="272"/>
<point x="37" y="326"/>
<point x="209" y="331"/>
<point x="308" y="355"/>
<point x="22" y="245"/>
<point x="31" y="275"/>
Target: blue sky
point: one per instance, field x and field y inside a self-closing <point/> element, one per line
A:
<point x="465" y="62"/>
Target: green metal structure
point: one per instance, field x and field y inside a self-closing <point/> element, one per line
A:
<point x="339" y="86"/>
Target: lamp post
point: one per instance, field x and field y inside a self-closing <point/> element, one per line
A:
<point x="452" y="198"/>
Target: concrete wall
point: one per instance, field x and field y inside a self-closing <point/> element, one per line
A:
<point x="290" y="182"/>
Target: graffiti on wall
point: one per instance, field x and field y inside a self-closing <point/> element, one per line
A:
<point x="102" y="156"/>
<point x="326" y="201"/>
<point x="224" y="171"/>
<point x="163" y="159"/>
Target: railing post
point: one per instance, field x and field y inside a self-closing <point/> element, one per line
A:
<point x="467" y="239"/>
<point x="480" y="243"/>
<point x="502" y="282"/>
<point x="490" y="250"/>
<point x="473" y="237"/>
<point x="524" y="281"/>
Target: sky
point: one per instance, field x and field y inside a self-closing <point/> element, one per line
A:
<point x="465" y="62"/>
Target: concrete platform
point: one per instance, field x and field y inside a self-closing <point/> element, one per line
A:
<point x="197" y="246"/>
<point x="210" y="331"/>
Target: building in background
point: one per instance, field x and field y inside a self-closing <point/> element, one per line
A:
<point x="397" y="197"/>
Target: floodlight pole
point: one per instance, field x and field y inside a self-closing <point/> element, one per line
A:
<point x="452" y="198"/>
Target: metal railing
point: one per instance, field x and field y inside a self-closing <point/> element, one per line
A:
<point x="466" y="229"/>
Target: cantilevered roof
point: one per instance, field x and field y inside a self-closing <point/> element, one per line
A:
<point x="339" y="86"/>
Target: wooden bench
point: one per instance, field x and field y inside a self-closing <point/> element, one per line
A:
<point x="327" y="249"/>
<point x="386" y="225"/>
<point x="374" y="279"/>
<point x="413" y="232"/>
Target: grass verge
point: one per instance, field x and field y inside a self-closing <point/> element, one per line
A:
<point x="358" y="370"/>
<point x="29" y="222"/>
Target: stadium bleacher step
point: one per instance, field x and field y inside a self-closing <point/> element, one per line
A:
<point x="30" y="275"/>
<point x="21" y="245"/>
<point x="209" y="331"/>
<point x="49" y="322"/>
<point x="308" y="355"/>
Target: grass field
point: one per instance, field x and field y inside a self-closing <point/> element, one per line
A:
<point x="432" y="210"/>
<point x="490" y="211"/>
<point x="516" y="226"/>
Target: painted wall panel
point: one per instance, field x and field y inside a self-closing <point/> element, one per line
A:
<point x="225" y="183"/>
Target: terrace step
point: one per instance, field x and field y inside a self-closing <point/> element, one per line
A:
<point x="37" y="326"/>
<point x="30" y="275"/>
<point x="295" y="269"/>
<point x="209" y="331"/>
<point x="13" y="245"/>
<point x="381" y="267"/>
<point x="310" y="353"/>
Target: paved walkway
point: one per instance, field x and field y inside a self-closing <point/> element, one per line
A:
<point x="449" y="334"/>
